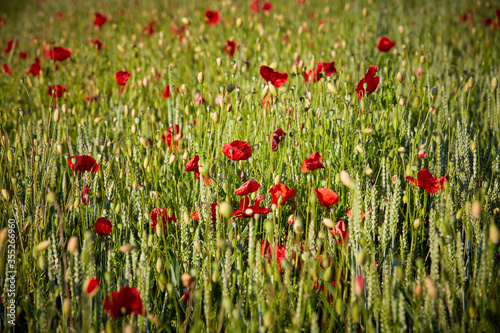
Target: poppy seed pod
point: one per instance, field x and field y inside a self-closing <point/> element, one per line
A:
<point x="230" y="87"/>
<point x="434" y="92"/>
<point x="201" y="78"/>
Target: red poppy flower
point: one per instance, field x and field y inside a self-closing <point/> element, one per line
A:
<point x="312" y="163"/>
<point x="341" y="232"/>
<point x="179" y="31"/>
<point x="98" y="43"/>
<point x="10" y="45"/>
<point x="267" y="6"/>
<point x="60" y="15"/>
<point x="213" y="206"/>
<point x="102" y="227"/>
<point x="122" y="77"/>
<point x="370" y="79"/>
<point x="385" y="44"/>
<point x="326" y="197"/>
<point x="270" y="251"/>
<point x="230" y="48"/>
<point x="150" y="28"/>
<point x="91" y="286"/>
<point x="282" y="191"/>
<point x="192" y="165"/>
<point x="173" y="134"/>
<point x="349" y="213"/>
<point x="498" y="15"/>
<point x="315" y="74"/>
<point x="237" y="150"/>
<point x="244" y="212"/>
<point x="83" y="163"/>
<point x="276" y="138"/>
<point x="84" y="197"/>
<point x="99" y="20"/>
<point x="199" y="99"/>
<point x="7" y="69"/>
<point x="23" y="55"/>
<point x="276" y="78"/>
<point x="427" y="182"/>
<point x="166" y="92"/>
<point x="91" y="98"/>
<point x="124" y="302"/>
<point x="487" y="22"/>
<point x="421" y="154"/>
<point x="163" y="213"/>
<point x="255" y="6"/>
<point x="247" y="188"/>
<point x="35" y="67"/>
<point x="212" y="17"/>
<point x="59" y="53"/>
<point x="56" y="91"/>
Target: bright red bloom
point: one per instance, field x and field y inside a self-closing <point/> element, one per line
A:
<point x="98" y="43"/>
<point x="427" y="182"/>
<point x="349" y="213"/>
<point x="23" y="55"/>
<point x="102" y="227"/>
<point x="255" y="6"/>
<point x="276" y="138"/>
<point x="124" y="302"/>
<point x="7" y="69"/>
<point x="179" y="31"/>
<point x="341" y="232"/>
<point x="243" y="212"/>
<point x="163" y="213"/>
<point x="122" y="77"/>
<point x="99" y="20"/>
<point x="315" y="74"/>
<point x="84" y="198"/>
<point x="91" y="286"/>
<point x="276" y="78"/>
<point x="370" y="79"/>
<point x="173" y="134"/>
<point x="273" y="251"/>
<point x="326" y="197"/>
<point x="56" y="91"/>
<point x="59" y="53"/>
<point x="192" y="165"/>
<point x="230" y="48"/>
<point x="237" y="150"/>
<point x="312" y="163"/>
<point x="247" y="188"/>
<point x="385" y="44"/>
<point x="10" y="45"/>
<point x="83" y="163"/>
<point x="213" y="206"/>
<point x="282" y="191"/>
<point x="166" y="92"/>
<point x="35" y="67"/>
<point x="421" y="154"/>
<point x="267" y="6"/>
<point x="212" y="17"/>
<point x="150" y="28"/>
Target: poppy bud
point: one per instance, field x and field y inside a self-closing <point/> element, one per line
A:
<point x="277" y="180"/>
<point x="264" y="92"/>
<point x="401" y="29"/>
<point x="134" y="129"/>
<point x="431" y="287"/>
<point x="219" y="62"/>
<point x="73" y="245"/>
<point x="476" y="209"/>
<point x="51" y="197"/>
<point x="201" y="78"/>
<point x="117" y="208"/>
<point x="229" y="107"/>
<point x="125" y="110"/>
<point x="416" y="223"/>
<point x="494" y="234"/>
<point x="402" y="101"/>
<point x="184" y="88"/>
<point x="143" y="142"/>
<point x="135" y="185"/>
<point x="401" y="150"/>
<point x="226" y="210"/>
<point x="332" y="88"/>
<point x="361" y="258"/>
<point x="215" y="117"/>
<point x="3" y="235"/>
<point x="470" y="83"/>
<point x="239" y="22"/>
<point x="66" y="307"/>
<point x="399" y="77"/>
<point x="64" y="108"/>
<point x="345" y="178"/>
<point x="473" y="145"/>
<point x="295" y="70"/>
<point x="365" y="12"/>
<point x="359" y="149"/>
<point x="132" y="113"/>
<point x="146" y="162"/>
<point x="328" y="223"/>
<point x="126" y="248"/>
<point x="494" y="83"/>
<point x="56" y="115"/>
<point x="171" y="160"/>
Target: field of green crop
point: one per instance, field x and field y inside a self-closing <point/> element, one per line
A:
<point x="249" y="166"/>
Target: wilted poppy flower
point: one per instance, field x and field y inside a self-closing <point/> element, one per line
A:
<point x="7" y="69"/>
<point x="56" y="91"/>
<point x="35" y="67"/>
<point x="370" y="79"/>
<point x="124" y="302"/>
<point x="84" y="198"/>
<point x="91" y="286"/>
<point x="247" y="188"/>
<point x="246" y="210"/>
<point x="59" y="53"/>
<point x="150" y="28"/>
<point x="269" y="75"/>
<point x="220" y="99"/>
<point x="199" y="99"/>
<point x="213" y="206"/>
<point x="313" y="162"/>
<point x="280" y="194"/>
<point x="212" y="17"/>
<point x="102" y="227"/>
<point x="97" y="43"/>
<point x="173" y="134"/>
<point x="341" y="233"/>
<point x="230" y="48"/>
<point x="385" y="44"/>
<point x="23" y="55"/>
<point x="237" y="150"/>
<point x="276" y="138"/>
<point x="122" y="77"/>
<point x="267" y="6"/>
<point x="427" y="182"/>
<point x="83" y="163"/>
<point x="166" y="92"/>
<point x="10" y="45"/>
<point x="270" y="251"/>
<point x="326" y="197"/>
<point x="99" y="20"/>
<point x="192" y="165"/>
<point x="163" y="214"/>
<point x="349" y="213"/>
